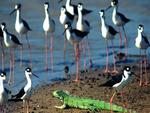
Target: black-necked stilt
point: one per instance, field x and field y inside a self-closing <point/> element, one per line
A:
<point x="2" y="48"/>
<point x="25" y="93"/>
<point x="10" y="41"/>
<point x="72" y="9"/>
<point x="119" y="20"/>
<point x="108" y="33"/>
<point x="3" y="93"/>
<point x="22" y="28"/>
<point x="142" y="43"/>
<point x="120" y="81"/>
<point x="48" y="26"/>
<point x="84" y="26"/>
<point x="65" y="17"/>
<point x="75" y="36"/>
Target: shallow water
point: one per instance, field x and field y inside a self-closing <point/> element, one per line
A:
<point x="33" y="13"/>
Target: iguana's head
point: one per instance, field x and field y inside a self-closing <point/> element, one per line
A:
<point x="61" y="94"/>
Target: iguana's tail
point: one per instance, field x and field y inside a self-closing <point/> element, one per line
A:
<point x="106" y="106"/>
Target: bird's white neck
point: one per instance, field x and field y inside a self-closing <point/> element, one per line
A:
<point x="47" y="13"/>
<point x="68" y="34"/>
<point x="18" y="15"/>
<point x="80" y="17"/>
<point x="28" y="85"/>
<point x="5" y="36"/>
<point x="114" y="12"/>
<point x="139" y="35"/>
<point x="68" y="2"/>
<point x="103" y="23"/>
<point x="1" y="86"/>
<point x="126" y="75"/>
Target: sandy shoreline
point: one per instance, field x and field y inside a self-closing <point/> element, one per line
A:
<point x="135" y="97"/>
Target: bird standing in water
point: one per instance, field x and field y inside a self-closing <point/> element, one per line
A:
<point x="22" y="28"/>
<point x="48" y="26"/>
<point x="142" y="43"/>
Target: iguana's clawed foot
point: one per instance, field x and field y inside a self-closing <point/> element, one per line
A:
<point x="60" y="107"/>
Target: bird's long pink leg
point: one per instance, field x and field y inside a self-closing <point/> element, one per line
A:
<point x="46" y="52"/>
<point x="145" y="61"/>
<point x="30" y="51"/>
<point x="111" y="100"/>
<point x="21" y="52"/>
<point x="51" y="50"/>
<point x="11" y="65"/>
<point x="77" y="62"/>
<point x="125" y="43"/>
<point x="84" y="52"/>
<point x="120" y="38"/>
<point x="89" y="52"/>
<point x="107" y="50"/>
<point x="141" y="70"/>
<point x="65" y="50"/>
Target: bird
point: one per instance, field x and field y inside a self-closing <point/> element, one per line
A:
<point x="65" y="17"/>
<point x="2" y="49"/>
<point x="25" y="92"/>
<point x="48" y="26"/>
<point x="108" y="33"/>
<point x="4" y="93"/>
<point x="10" y="41"/>
<point x="72" y="9"/>
<point x="142" y="43"/>
<point x="84" y="26"/>
<point x="75" y="36"/>
<point x="119" y="81"/>
<point x="119" y="20"/>
<point x="22" y="28"/>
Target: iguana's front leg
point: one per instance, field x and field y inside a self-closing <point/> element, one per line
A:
<point x="61" y="107"/>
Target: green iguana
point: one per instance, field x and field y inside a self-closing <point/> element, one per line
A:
<point x="86" y="103"/>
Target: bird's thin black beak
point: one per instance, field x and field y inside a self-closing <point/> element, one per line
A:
<point x="60" y="1"/>
<point x="108" y="8"/>
<point x="12" y="12"/>
<point x="65" y="31"/>
<point x="35" y="75"/>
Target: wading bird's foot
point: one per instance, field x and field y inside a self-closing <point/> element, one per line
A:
<point x="140" y="84"/>
<point x="46" y="68"/>
<point x="76" y="80"/>
<point x="115" y="71"/>
<point x="106" y="71"/>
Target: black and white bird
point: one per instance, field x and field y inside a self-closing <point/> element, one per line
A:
<point x="73" y="10"/>
<point x="48" y="26"/>
<point x="22" y="28"/>
<point x="108" y="33"/>
<point x="26" y="92"/>
<point x="120" y="81"/>
<point x="65" y="17"/>
<point x="10" y="41"/>
<point x="84" y="26"/>
<point x="142" y="43"/>
<point x="4" y="93"/>
<point x="75" y="36"/>
<point x="119" y="20"/>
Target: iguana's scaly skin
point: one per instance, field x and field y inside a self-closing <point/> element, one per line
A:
<point x="86" y="103"/>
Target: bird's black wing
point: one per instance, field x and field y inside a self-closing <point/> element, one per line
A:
<point x="112" y="30"/>
<point x="87" y="23"/>
<point x="1" y="33"/>
<point x="27" y="26"/>
<point x="86" y="11"/>
<point x="19" y="95"/>
<point x="113" y="80"/>
<point x="79" y="33"/>
<point x="75" y="9"/>
<point x="70" y="16"/>
<point x="145" y="39"/>
<point x="125" y="19"/>
<point x="15" y="39"/>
